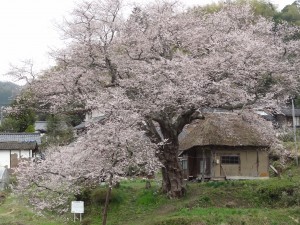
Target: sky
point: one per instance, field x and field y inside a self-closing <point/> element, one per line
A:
<point x="28" y="29"/>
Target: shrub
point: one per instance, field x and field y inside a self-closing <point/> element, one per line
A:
<point x="30" y="129"/>
<point x="280" y="193"/>
<point x="86" y="221"/>
<point x="216" y="184"/>
<point x="174" y="221"/>
<point x="204" y="201"/>
<point x="286" y="137"/>
<point x="85" y="195"/>
<point x="98" y="196"/>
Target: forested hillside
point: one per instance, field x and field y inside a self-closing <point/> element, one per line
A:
<point x="7" y="91"/>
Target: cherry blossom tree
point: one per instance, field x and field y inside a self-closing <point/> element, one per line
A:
<point x="181" y="63"/>
<point x="106" y="152"/>
<point x="23" y="72"/>
<point x="166" y="65"/>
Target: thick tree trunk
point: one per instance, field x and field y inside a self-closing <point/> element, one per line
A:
<point x="163" y="129"/>
<point x="172" y="183"/>
<point x="108" y="193"/>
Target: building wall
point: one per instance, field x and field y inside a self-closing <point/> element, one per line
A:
<point x="224" y="161"/>
<point x="196" y="163"/>
<point x="10" y="158"/>
<point x="249" y="163"/>
<point x="252" y="163"/>
<point x="263" y="167"/>
<point x="22" y="153"/>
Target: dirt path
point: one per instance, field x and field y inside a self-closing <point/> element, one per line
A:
<point x="10" y="212"/>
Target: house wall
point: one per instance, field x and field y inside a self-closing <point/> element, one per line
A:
<point x="10" y="158"/>
<point x="221" y="170"/>
<point x="263" y="166"/>
<point x="249" y="163"/>
<point x="198" y="163"/>
<point x="252" y="162"/>
<point x="22" y="153"/>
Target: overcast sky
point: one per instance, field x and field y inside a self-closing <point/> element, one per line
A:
<point x="27" y="29"/>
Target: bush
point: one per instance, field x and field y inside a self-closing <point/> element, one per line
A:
<point x="279" y="193"/>
<point x="216" y="184"/>
<point x="174" y="221"/>
<point x="98" y="196"/>
<point x="205" y="201"/>
<point x="286" y="137"/>
<point x="278" y="166"/>
<point x="85" y="195"/>
<point x="86" y="221"/>
<point x="30" y="129"/>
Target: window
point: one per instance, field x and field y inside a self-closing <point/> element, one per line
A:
<point x="184" y="165"/>
<point x="230" y="159"/>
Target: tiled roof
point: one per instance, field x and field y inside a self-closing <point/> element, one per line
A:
<point x="17" y="145"/>
<point x="20" y="137"/>
<point x="288" y="112"/>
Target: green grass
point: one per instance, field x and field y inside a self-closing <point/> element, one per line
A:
<point x="236" y="202"/>
<point x="13" y="212"/>
<point x="275" y="201"/>
<point x="233" y="216"/>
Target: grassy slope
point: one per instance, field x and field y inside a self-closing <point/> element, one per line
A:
<point x="205" y="205"/>
<point x="274" y="201"/>
<point x="13" y="212"/>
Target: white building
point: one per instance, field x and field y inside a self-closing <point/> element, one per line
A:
<point x="17" y="146"/>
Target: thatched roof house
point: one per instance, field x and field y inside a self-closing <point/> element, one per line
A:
<point x="224" y="146"/>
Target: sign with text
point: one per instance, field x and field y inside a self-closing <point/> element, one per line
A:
<point x="77" y="207"/>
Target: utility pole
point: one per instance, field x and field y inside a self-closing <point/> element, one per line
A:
<point x="294" y="128"/>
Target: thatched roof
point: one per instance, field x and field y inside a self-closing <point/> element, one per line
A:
<point x="221" y="129"/>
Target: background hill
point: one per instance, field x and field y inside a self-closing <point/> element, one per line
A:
<point x="8" y="91"/>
